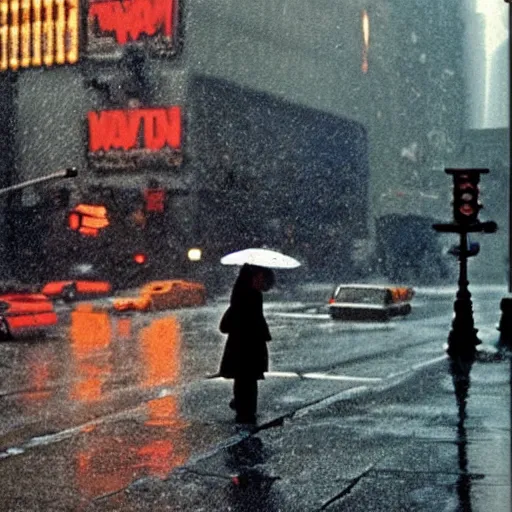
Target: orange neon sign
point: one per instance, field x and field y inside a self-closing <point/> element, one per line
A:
<point x="36" y="33"/>
<point x="88" y="219"/>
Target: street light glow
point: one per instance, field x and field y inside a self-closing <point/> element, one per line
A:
<point x="365" y="26"/>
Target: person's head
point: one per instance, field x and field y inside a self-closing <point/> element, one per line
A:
<point x="257" y="278"/>
<point x="263" y="279"/>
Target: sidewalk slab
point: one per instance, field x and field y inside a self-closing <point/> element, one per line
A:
<point x="418" y="453"/>
<point x="434" y="442"/>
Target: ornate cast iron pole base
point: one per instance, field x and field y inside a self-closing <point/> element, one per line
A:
<point x="462" y="340"/>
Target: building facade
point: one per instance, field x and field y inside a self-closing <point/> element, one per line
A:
<point x="128" y="113"/>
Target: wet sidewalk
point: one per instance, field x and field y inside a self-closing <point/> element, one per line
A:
<point x="440" y="440"/>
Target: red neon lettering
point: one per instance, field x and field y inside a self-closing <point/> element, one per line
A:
<point x="113" y="129"/>
<point x="162" y="127"/>
<point x="129" y="19"/>
<point x="174" y="127"/>
<point x="119" y="129"/>
<point x="99" y="130"/>
<point x="154" y="129"/>
<point x="125" y="128"/>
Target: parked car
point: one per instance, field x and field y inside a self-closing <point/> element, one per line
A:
<point x="76" y="289"/>
<point x="159" y="295"/>
<point x="360" y="302"/>
<point x="23" y="313"/>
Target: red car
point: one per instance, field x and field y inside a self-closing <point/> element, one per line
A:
<point x="76" y="289"/>
<point x="25" y="312"/>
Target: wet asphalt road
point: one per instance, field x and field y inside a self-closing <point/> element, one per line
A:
<point x="110" y="400"/>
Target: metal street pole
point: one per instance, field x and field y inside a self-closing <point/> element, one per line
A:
<point x="462" y="339"/>
<point x="505" y="327"/>
<point x="71" y="172"/>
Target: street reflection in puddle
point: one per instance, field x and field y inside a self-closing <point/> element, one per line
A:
<point x="460" y="369"/>
<point x="252" y="490"/>
<point x="113" y="454"/>
<point x="160" y="352"/>
<point x="38" y="364"/>
<point x="124" y="328"/>
<point x="91" y="336"/>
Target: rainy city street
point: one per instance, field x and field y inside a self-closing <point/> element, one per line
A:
<point x="255" y="256"/>
<point x="109" y="403"/>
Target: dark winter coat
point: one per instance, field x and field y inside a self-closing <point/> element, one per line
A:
<point x="245" y="353"/>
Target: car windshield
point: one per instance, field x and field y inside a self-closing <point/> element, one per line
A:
<point x="362" y="295"/>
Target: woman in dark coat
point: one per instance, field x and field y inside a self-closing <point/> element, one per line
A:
<point x="245" y="357"/>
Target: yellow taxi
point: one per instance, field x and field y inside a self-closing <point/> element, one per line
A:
<point x="160" y="295"/>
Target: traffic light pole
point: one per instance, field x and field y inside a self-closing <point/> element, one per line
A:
<point x="462" y="339"/>
<point x="70" y="172"/>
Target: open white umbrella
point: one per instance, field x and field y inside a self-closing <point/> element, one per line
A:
<point x="261" y="258"/>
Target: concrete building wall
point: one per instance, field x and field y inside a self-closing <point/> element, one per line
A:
<point x="51" y="134"/>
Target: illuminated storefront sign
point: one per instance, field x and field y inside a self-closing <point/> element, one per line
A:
<point x="113" y="24"/>
<point x="37" y="33"/>
<point x="135" y="138"/>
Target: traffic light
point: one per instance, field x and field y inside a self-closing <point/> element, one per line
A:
<point x="466" y="204"/>
<point x="465" y="196"/>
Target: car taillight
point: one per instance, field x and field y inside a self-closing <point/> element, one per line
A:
<point x="332" y="300"/>
<point x="139" y="258"/>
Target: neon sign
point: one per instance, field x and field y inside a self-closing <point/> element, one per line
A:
<point x="113" y="24"/>
<point x="88" y="219"/>
<point x="36" y="33"/>
<point x="135" y="138"/>
<point x="155" y="199"/>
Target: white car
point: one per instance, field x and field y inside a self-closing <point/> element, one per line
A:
<point x="364" y="302"/>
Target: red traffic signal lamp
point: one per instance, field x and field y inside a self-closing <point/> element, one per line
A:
<point x="465" y="198"/>
<point x="465" y="195"/>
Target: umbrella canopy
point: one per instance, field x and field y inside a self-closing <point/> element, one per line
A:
<point x="261" y="258"/>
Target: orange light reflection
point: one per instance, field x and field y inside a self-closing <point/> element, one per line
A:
<point x="160" y="351"/>
<point x="38" y="369"/>
<point x="164" y="412"/>
<point x="124" y="328"/>
<point x="90" y="334"/>
<point x="159" y="458"/>
<point x="108" y="463"/>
